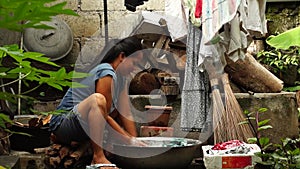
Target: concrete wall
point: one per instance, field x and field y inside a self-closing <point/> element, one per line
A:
<point x="282" y="16"/>
<point x="281" y="109"/>
<point x="89" y="29"/>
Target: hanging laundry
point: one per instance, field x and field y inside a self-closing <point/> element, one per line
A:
<point x="198" y="10"/>
<point x="232" y="25"/>
<point x="191" y="4"/>
<point x="195" y="101"/>
<point x="215" y="14"/>
<point x="256" y="22"/>
<point x="132" y="4"/>
<point x="175" y="15"/>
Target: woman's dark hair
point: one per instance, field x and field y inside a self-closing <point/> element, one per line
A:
<point x="128" y="46"/>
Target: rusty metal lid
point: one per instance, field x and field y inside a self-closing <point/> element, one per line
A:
<point x="54" y="43"/>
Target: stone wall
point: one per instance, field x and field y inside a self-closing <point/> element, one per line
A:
<point x="281" y="110"/>
<point x="282" y="16"/>
<point x="89" y="29"/>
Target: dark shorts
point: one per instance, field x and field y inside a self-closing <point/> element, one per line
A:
<point x="72" y="128"/>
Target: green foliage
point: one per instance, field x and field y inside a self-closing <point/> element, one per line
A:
<point x="284" y="53"/>
<point x="4" y="119"/>
<point x="278" y="59"/>
<point x="17" y="15"/>
<point x="286" y="39"/>
<point x="257" y="126"/>
<point x="292" y="88"/>
<point x="284" y="155"/>
<point x="56" y="79"/>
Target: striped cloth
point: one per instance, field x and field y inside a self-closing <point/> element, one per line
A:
<point x="215" y="13"/>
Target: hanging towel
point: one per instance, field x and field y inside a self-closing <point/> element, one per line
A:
<point x="256" y="22"/>
<point x="215" y="14"/>
<point x="233" y="33"/>
<point x="176" y="15"/>
<point x="195" y="99"/>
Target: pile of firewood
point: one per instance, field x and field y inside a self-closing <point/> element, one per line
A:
<point x="67" y="156"/>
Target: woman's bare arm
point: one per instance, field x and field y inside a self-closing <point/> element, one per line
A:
<point x="126" y="114"/>
<point x="105" y="87"/>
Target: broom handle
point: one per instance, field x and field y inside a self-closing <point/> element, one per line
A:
<point x="225" y="78"/>
<point x="214" y="84"/>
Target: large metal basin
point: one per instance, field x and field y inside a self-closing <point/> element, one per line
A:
<point x="162" y="153"/>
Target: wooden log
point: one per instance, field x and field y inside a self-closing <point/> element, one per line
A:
<point x="42" y="150"/>
<point x="54" y="161"/>
<point x="33" y="122"/>
<point x="143" y="83"/>
<point x="64" y="151"/>
<point x="47" y="119"/>
<point x="56" y="146"/>
<point x="252" y="76"/>
<point x="80" y="151"/>
<point x="69" y="162"/>
<point x="51" y="152"/>
<point x="4" y="142"/>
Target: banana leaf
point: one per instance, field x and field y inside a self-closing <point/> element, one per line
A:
<point x="286" y="39"/>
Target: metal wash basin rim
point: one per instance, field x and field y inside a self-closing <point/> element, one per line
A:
<point x="156" y="157"/>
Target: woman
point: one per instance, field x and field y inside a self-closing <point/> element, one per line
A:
<point x="90" y="109"/>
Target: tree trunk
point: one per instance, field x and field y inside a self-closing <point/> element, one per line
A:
<point x="252" y="76"/>
<point x="4" y="142"/>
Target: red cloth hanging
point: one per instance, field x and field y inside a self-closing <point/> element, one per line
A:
<point x="198" y="10"/>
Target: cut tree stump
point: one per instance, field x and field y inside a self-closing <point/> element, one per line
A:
<point x="252" y="76"/>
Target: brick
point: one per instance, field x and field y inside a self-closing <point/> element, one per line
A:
<point x="149" y="131"/>
<point x="85" y="25"/>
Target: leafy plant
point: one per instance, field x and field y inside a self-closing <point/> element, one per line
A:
<point x="287" y="154"/>
<point x="284" y="52"/>
<point x="257" y="127"/>
<point x="278" y="59"/>
<point x="284" y="155"/>
<point x="17" y="15"/>
<point x="285" y="40"/>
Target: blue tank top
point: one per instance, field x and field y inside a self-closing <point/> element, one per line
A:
<point x="75" y="95"/>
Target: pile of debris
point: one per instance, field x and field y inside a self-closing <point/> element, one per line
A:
<point x="67" y="156"/>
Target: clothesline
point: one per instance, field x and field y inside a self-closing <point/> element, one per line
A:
<point x="228" y="25"/>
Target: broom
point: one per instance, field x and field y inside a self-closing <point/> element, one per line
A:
<point x="218" y="112"/>
<point x="234" y="115"/>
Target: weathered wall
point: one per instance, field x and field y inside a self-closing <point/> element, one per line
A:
<point x="281" y="109"/>
<point x="282" y="16"/>
<point x="88" y="29"/>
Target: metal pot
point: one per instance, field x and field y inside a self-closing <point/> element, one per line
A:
<point x="54" y="43"/>
<point x="40" y="137"/>
<point x="162" y="153"/>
